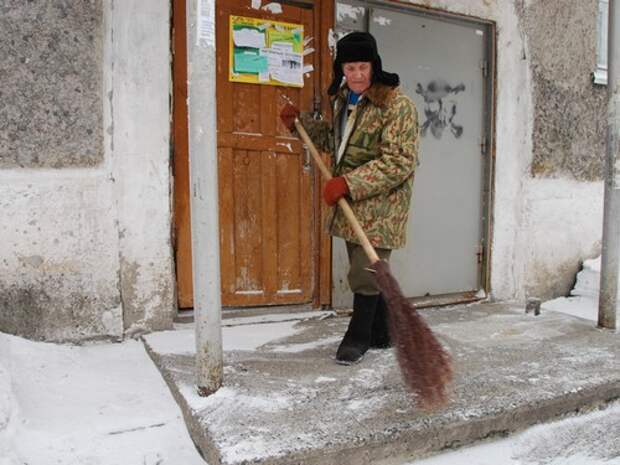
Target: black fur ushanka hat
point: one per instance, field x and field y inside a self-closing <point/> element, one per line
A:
<point x="360" y="46"/>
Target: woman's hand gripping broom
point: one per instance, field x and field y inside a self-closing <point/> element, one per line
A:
<point x="425" y="365"/>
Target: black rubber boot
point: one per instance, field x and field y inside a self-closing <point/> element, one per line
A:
<point x="356" y="340"/>
<point x="380" y="338"/>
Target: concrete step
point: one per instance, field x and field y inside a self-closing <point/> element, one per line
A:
<point x="285" y="401"/>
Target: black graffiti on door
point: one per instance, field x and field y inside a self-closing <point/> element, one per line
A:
<point x="439" y="109"/>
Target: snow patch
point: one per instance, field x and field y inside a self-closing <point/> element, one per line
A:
<point x="8" y="413"/>
<point x="276" y="317"/>
<point x="252" y="337"/>
<point x="581" y="307"/>
<point x="583" y="299"/>
<point x="243" y="337"/>
<point x="302" y="347"/>
<point x="91" y="404"/>
<point x="571" y="441"/>
<point x="588" y="279"/>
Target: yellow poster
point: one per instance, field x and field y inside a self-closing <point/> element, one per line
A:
<point x="268" y="52"/>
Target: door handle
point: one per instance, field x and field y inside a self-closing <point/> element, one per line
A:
<point x="306" y="158"/>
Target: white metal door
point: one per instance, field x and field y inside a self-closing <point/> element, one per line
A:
<point x="440" y="63"/>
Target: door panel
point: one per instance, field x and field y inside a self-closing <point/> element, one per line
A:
<point x="439" y="64"/>
<point x="266" y="192"/>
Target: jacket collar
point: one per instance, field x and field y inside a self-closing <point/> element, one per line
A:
<point x="378" y="94"/>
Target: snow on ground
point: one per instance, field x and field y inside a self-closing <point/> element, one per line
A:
<point x="590" y="439"/>
<point x="103" y="404"/>
<point x="8" y="412"/>
<point x="106" y="404"/>
<point x="579" y="306"/>
<point x="583" y="299"/>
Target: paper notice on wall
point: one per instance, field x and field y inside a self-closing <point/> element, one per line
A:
<point x="249" y="38"/>
<point x="289" y="70"/>
<point x="249" y="62"/>
<point x="285" y="66"/>
<point x="274" y="56"/>
<point x="266" y="52"/>
<point x="205" y="17"/>
<point x="284" y="47"/>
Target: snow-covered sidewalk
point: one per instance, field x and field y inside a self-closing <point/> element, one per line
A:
<point x="100" y="404"/>
<point x="590" y="439"/>
<point x="106" y="404"/>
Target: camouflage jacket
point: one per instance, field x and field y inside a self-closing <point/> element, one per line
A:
<point x="378" y="162"/>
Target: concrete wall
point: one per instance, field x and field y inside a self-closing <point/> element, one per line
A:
<point x="563" y="205"/>
<point x="87" y="244"/>
<point x="51" y="54"/>
<point x="569" y="110"/>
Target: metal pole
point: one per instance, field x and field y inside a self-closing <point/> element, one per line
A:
<point x="204" y="195"/>
<point x="610" y="257"/>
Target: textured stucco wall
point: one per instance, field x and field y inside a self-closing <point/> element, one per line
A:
<point x="141" y="149"/>
<point x="569" y="110"/>
<point x="564" y="220"/>
<point x="563" y="202"/>
<point x="59" y="262"/>
<point x="51" y="83"/>
<point x="87" y="250"/>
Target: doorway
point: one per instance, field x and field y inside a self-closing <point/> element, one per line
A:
<point x="445" y="64"/>
<point x="273" y="248"/>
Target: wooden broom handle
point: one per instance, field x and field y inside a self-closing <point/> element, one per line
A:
<point x="342" y="202"/>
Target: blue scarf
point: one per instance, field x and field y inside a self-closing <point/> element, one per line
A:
<point x="353" y="98"/>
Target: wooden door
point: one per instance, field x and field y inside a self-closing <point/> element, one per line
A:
<point x="266" y="186"/>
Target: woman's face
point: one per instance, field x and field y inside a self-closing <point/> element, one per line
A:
<point x="358" y="75"/>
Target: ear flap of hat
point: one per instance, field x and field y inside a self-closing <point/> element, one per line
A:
<point x="389" y="79"/>
<point x="337" y="80"/>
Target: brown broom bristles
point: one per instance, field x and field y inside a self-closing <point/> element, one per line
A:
<point x="425" y="365"/>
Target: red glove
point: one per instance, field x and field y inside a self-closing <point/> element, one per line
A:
<point x="288" y="114"/>
<point x="334" y="189"/>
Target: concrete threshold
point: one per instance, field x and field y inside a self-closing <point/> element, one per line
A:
<point x="287" y="402"/>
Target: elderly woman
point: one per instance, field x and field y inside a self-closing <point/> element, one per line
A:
<point x="373" y="139"/>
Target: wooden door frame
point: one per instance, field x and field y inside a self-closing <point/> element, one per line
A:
<point x="181" y="215"/>
<point x="324" y="21"/>
<point x="325" y="18"/>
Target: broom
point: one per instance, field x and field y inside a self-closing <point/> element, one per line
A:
<point x="425" y="366"/>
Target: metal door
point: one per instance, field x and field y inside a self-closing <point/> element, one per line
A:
<point x="442" y="66"/>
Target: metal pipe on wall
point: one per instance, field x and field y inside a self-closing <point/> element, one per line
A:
<point x="610" y="257"/>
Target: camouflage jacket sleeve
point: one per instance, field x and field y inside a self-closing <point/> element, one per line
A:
<point x="398" y="153"/>
<point x="320" y="131"/>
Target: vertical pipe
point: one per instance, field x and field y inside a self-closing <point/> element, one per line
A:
<point x="204" y="195"/>
<point x="610" y="259"/>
